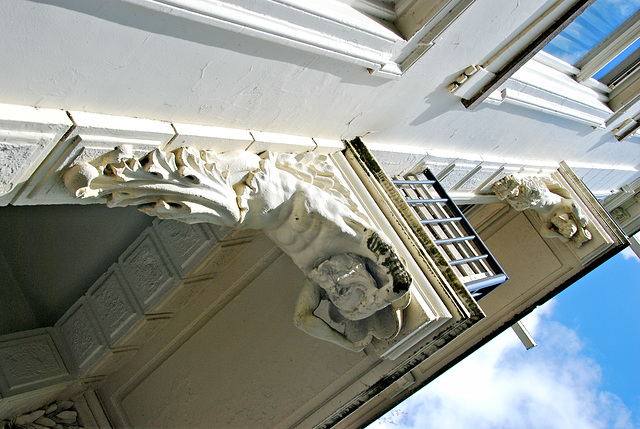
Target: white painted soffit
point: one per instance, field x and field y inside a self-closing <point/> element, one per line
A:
<point x="467" y="176"/>
<point x="328" y="27"/>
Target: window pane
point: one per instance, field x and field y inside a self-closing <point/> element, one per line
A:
<point x="590" y="28"/>
<point x="617" y="60"/>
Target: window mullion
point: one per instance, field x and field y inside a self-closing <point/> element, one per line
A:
<point x="625" y="92"/>
<point x="623" y="70"/>
<point x="621" y="38"/>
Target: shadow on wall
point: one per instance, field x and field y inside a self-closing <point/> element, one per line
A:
<point x="53" y="254"/>
<point x="141" y="18"/>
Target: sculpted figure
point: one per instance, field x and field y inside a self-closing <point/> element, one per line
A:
<point x="298" y="203"/>
<point x="561" y="215"/>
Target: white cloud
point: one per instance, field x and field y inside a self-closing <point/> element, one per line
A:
<point x="504" y="386"/>
<point x="628" y="253"/>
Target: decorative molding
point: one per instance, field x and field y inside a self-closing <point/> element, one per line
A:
<point x="229" y="250"/>
<point x="112" y="360"/>
<point x="80" y="331"/>
<point x="541" y="87"/>
<point x="278" y="143"/>
<point x="27" y="135"/>
<point x="106" y="327"/>
<point x="30" y="360"/>
<point x="210" y="138"/>
<point x="467" y="177"/>
<point x="113" y="304"/>
<point x="441" y="299"/>
<point x="37" y="145"/>
<point x="90" y="410"/>
<point x="92" y="136"/>
<point x="539" y="104"/>
<point x="334" y="29"/>
<point x="144" y="329"/>
<point x="185" y="244"/>
<point x="604" y="230"/>
<point x="147" y="270"/>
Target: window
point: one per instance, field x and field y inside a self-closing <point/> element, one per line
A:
<point x="385" y="36"/>
<point x="602" y="48"/>
<point x="588" y="72"/>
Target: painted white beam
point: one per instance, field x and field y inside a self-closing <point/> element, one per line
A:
<point x="524" y="336"/>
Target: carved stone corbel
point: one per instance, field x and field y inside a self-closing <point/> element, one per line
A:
<point x="561" y="215"/>
<point x="299" y="203"/>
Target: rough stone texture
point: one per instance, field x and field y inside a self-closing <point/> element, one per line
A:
<point x="27" y="135"/>
<point x="13" y="158"/>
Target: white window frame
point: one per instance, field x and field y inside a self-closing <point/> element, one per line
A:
<point x="329" y="27"/>
<point x="547" y="84"/>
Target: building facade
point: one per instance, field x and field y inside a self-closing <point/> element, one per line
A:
<point x="160" y="323"/>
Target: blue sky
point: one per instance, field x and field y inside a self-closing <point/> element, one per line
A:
<point x="597" y="22"/>
<point x="583" y="373"/>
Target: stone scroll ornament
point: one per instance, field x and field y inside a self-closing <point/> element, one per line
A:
<point x="296" y="200"/>
<point x="561" y="215"/>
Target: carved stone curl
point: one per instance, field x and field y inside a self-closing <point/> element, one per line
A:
<point x="560" y="213"/>
<point x="299" y="203"/>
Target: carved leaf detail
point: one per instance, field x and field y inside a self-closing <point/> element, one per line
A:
<point x="176" y="185"/>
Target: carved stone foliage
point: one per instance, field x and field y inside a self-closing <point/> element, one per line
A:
<point x="299" y="202"/>
<point x="58" y="415"/>
<point x="91" y="136"/>
<point x="561" y="215"/>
